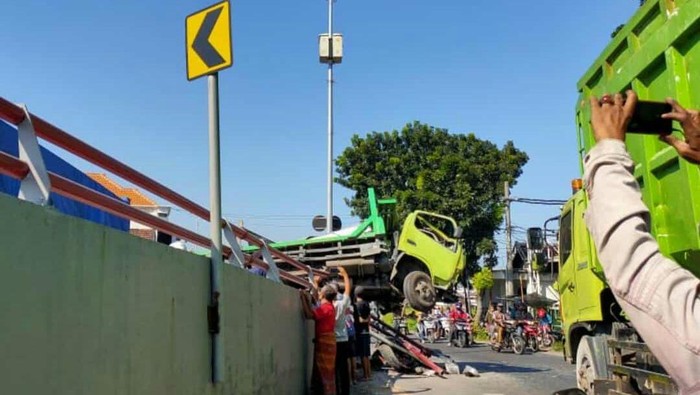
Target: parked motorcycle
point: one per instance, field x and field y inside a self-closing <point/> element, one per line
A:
<point x="463" y="334"/>
<point x="511" y="340"/>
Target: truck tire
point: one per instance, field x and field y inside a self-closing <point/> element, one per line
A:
<point x="587" y="370"/>
<point x="419" y="291"/>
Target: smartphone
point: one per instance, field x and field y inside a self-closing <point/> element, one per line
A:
<point x="647" y="118"/>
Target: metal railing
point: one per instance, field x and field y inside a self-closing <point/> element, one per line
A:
<point x="29" y="168"/>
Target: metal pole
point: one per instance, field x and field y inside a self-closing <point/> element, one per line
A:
<point x="215" y="219"/>
<point x="329" y="218"/>
<point x="509" y="259"/>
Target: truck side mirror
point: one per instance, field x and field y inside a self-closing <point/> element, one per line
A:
<point x="458" y="233"/>
<point x="535" y="239"/>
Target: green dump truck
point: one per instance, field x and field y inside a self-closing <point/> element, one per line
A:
<point x="421" y="262"/>
<point x="657" y="54"/>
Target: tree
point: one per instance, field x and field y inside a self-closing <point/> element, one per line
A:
<point x="427" y="168"/>
<point x="482" y="281"/>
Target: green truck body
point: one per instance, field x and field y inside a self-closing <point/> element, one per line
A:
<point x="420" y="262"/>
<point x="657" y="54"/>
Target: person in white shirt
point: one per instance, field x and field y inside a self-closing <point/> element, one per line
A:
<point x="342" y="372"/>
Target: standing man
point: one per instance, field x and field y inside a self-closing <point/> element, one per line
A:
<point x="362" y="317"/>
<point x="342" y="374"/>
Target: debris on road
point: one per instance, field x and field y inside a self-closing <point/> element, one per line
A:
<point x="470" y="371"/>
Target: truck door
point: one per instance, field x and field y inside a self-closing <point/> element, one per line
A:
<point x="429" y="237"/>
<point x="567" y="270"/>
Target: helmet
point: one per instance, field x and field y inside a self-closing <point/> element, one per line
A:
<point x="499" y="305"/>
<point x="458" y="305"/>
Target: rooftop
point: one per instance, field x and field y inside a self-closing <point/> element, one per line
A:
<point x="136" y="197"/>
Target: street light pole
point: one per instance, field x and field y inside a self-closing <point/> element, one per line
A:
<point x="329" y="197"/>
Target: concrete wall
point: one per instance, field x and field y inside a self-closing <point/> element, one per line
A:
<point x="88" y="310"/>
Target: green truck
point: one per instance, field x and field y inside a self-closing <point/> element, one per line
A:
<point x="657" y="54"/>
<point x="421" y="262"/>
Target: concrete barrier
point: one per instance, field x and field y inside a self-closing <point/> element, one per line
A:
<point x="89" y="310"/>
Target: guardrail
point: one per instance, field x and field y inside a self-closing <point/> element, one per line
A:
<point x="30" y="170"/>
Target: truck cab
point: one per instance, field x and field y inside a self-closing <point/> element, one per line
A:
<point x="430" y="258"/>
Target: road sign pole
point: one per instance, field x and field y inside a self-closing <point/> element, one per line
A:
<point x="215" y="219"/>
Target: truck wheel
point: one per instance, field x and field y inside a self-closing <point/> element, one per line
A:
<point x="586" y="370"/>
<point x="418" y="289"/>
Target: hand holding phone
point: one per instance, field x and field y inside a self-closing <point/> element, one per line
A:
<point x="647" y="118"/>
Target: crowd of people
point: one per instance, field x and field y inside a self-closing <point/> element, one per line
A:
<point x="496" y="319"/>
<point x="437" y="316"/>
<point x="341" y="336"/>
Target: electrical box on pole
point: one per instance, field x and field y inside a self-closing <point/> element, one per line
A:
<point x="330" y="50"/>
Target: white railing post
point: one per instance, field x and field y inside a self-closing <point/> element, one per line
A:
<point x="36" y="185"/>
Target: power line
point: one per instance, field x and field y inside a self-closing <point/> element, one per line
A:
<point x="543" y="202"/>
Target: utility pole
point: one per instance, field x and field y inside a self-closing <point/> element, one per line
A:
<point x="329" y="218"/>
<point x="509" y="249"/>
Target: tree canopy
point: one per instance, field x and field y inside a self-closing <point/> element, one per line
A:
<point x="483" y="280"/>
<point x="430" y="169"/>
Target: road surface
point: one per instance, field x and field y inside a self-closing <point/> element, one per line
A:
<point x="501" y="373"/>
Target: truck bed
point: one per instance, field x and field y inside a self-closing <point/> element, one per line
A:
<point x="658" y="55"/>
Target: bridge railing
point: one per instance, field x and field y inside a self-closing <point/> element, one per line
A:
<point x="30" y="170"/>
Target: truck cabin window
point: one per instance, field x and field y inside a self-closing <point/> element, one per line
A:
<point x="439" y="229"/>
<point x="565" y="238"/>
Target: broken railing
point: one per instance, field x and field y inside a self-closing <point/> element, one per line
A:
<point x="37" y="183"/>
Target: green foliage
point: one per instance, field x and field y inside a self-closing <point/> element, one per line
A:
<point x="483" y="279"/>
<point x="558" y="346"/>
<point x="427" y="168"/>
<point x="480" y="333"/>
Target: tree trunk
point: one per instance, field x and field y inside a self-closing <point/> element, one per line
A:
<point x="479" y="306"/>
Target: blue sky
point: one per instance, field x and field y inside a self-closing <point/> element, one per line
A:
<point x="113" y="74"/>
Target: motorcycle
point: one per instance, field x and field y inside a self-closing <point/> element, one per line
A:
<point x="531" y="333"/>
<point x="445" y="327"/>
<point x="546" y="336"/>
<point x="400" y="325"/>
<point x="431" y="329"/>
<point x="511" y="340"/>
<point x="463" y="334"/>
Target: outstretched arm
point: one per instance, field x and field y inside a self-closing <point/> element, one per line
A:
<point x="306" y="305"/>
<point x="659" y="297"/>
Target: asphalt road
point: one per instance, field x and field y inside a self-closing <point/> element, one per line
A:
<point x="501" y="373"/>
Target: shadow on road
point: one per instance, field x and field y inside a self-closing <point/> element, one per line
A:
<point x="495" y="367"/>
